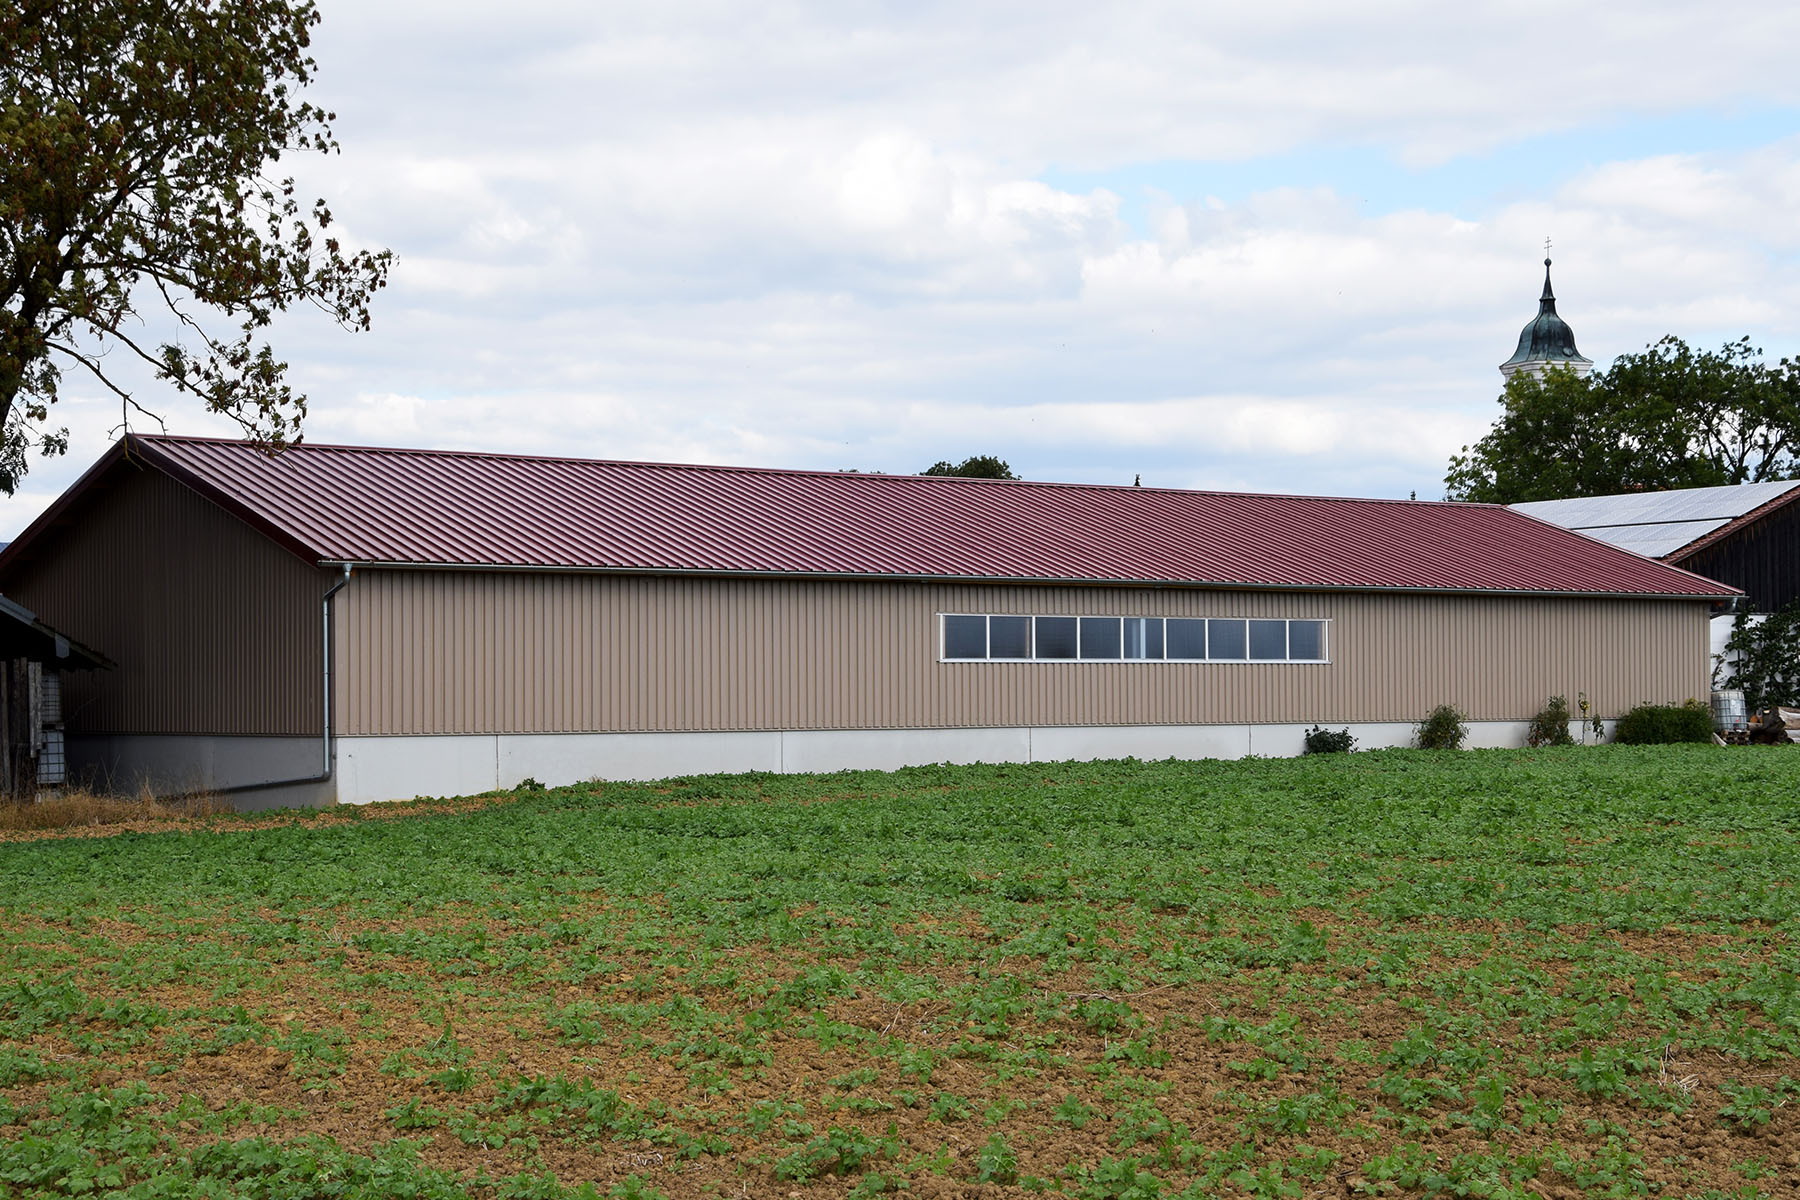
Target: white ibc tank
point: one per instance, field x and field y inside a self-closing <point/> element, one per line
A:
<point x="1728" y="712"/>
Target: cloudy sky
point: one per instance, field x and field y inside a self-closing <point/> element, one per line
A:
<point x="1275" y="247"/>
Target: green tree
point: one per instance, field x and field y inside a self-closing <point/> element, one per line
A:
<point x="980" y="466"/>
<point x="1669" y="417"/>
<point x="136" y="137"/>
<point x="1762" y="658"/>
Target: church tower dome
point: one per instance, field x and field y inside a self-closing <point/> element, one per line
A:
<point x="1547" y="341"/>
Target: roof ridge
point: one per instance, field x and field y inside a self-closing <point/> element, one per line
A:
<point x="640" y="464"/>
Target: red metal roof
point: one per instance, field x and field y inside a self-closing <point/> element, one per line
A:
<point x="342" y="504"/>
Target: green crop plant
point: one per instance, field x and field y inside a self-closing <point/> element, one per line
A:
<point x="835" y="1152"/>
<point x="947" y="1106"/>
<point x="1750" y="1106"/>
<point x="1073" y="1112"/>
<point x="996" y="1162"/>
<point x="1465" y="974"/>
<point x="1114" y="1179"/>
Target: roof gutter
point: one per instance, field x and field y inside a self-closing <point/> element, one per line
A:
<point x="326" y="760"/>
<point x="1723" y="593"/>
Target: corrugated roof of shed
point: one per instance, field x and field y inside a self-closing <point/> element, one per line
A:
<point x="339" y="504"/>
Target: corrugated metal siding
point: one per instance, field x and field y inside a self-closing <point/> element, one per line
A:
<point x="464" y="652"/>
<point x="215" y="630"/>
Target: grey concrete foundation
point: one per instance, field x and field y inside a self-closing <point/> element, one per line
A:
<point x="169" y="764"/>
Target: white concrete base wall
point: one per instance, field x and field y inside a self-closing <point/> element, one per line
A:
<point x="568" y="757"/>
<point x="815" y="751"/>
<point x="402" y="768"/>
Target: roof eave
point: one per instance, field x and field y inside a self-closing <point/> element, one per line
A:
<point x="1726" y="591"/>
<point x="1722" y="592"/>
<point x="64" y="651"/>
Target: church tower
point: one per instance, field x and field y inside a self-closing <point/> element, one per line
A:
<point x="1547" y="341"/>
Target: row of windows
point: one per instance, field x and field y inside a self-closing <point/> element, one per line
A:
<point x="1008" y="638"/>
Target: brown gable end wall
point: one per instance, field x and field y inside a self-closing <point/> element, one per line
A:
<point x="438" y="652"/>
<point x="215" y="629"/>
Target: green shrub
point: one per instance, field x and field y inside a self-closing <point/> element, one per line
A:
<point x="1657" y="724"/>
<point x="1329" y="741"/>
<point x="1551" y="725"/>
<point x="1444" y="729"/>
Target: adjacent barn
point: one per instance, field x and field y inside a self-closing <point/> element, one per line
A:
<point x="1747" y="535"/>
<point x="352" y="624"/>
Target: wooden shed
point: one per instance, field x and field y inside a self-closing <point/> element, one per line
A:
<point x="33" y="659"/>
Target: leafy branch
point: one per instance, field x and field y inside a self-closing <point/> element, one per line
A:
<point x="135" y="142"/>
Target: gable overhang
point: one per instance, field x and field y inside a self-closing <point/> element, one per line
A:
<point x="131" y="453"/>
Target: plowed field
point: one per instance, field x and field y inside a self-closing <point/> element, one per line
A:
<point x="1514" y="974"/>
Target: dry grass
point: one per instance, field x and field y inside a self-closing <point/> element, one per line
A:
<point x="76" y="808"/>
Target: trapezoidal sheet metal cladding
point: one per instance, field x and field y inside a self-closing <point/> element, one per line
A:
<point x="214" y="629"/>
<point x="445" y="652"/>
<point x="437" y="508"/>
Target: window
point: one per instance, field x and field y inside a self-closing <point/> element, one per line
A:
<point x="1008" y="637"/>
<point x="1306" y="641"/>
<point x="1268" y="641"/>
<point x="1100" y="638"/>
<point x="1187" y="639"/>
<point x="1143" y="638"/>
<point x="965" y="637"/>
<point x="1225" y="640"/>
<point x="1055" y="637"/>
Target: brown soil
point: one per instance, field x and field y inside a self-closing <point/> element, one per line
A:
<point x="1204" y="1084"/>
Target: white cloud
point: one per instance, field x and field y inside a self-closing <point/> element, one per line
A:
<point x="821" y="235"/>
